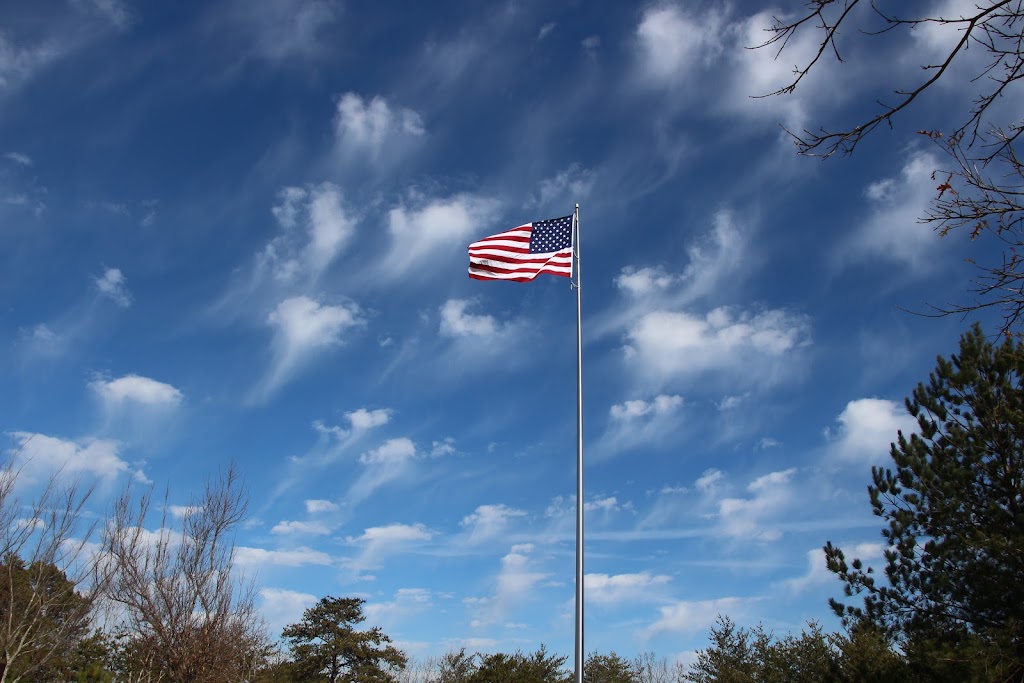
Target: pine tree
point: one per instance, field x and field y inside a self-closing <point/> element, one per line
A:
<point x="953" y="589"/>
<point x="325" y="645"/>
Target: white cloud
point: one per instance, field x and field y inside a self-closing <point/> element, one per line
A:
<point x="694" y="616"/>
<point x="665" y="344"/>
<point x="278" y="33"/>
<point x="713" y="262"/>
<point x="114" y="11"/>
<point x="456" y="322"/>
<point x="638" y="423"/>
<point x="112" y="285"/>
<point x="751" y="518"/>
<point x="891" y="231"/>
<point x="288" y="528"/>
<point x="708" y="480"/>
<point x="867" y="427"/>
<point x="316" y="225"/>
<point x="393" y="451"/>
<point x="516" y="582"/>
<point x="644" y="281"/>
<point x="673" y="44"/>
<point x="19" y="158"/>
<point x="434" y="233"/>
<point x="607" y="505"/>
<point x="292" y="557"/>
<point x="489" y="521"/>
<point x="631" y="410"/>
<point x="817" y="571"/>
<point x="441" y="448"/>
<point x="363" y="419"/>
<point x="314" y="507"/>
<point x="574" y="182"/>
<point x="281" y="607"/>
<point x="43" y="456"/>
<point x="406" y="603"/>
<point x="374" y="131"/>
<point x="20" y="63"/>
<point x="750" y="74"/>
<point x="360" y="422"/>
<point x="605" y="589"/>
<point x="545" y="30"/>
<point x="182" y="511"/>
<point x="137" y="389"/>
<point x="390" y="462"/>
<point x="377" y="542"/>
<point x="302" y="328"/>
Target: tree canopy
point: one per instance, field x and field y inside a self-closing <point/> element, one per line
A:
<point x="952" y="503"/>
<point x="325" y="645"/>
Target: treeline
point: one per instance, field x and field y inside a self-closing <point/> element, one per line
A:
<point x="114" y="602"/>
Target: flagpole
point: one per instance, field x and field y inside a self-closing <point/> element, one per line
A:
<point x="579" y="451"/>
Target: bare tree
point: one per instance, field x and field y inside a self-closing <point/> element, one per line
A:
<point x="983" y="187"/>
<point x="186" y="618"/>
<point x="48" y="581"/>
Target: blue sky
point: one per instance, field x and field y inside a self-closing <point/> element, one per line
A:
<point x="238" y="230"/>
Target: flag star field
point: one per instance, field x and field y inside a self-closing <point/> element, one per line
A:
<point x="237" y="231"/>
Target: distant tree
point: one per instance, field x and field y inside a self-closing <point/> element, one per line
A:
<point x="43" y="617"/>
<point x="186" y="616"/>
<point x="90" y="662"/>
<point x="866" y="655"/>
<point x="731" y="657"/>
<point x="980" y="52"/>
<point x="539" y="667"/>
<point x="609" y="668"/>
<point x="456" y="667"/>
<point x="953" y="503"/>
<point x="325" y="646"/>
<point x="649" y="668"/>
<point x="809" y="658"/>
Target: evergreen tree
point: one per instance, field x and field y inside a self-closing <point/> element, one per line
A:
<point x="539" y="667"/>
<point x="326" y="647"/>
<point x="609" y="668"/>
<point x="953" y="590"/>
<point x="730" y="659"/>
<point x="43" y="619"/>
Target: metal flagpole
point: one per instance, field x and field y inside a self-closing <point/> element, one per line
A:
<point x="579" y="451"/>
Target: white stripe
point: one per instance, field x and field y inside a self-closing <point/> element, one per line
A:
<point x="514" y="256"/>
<point x="503" y="236"/>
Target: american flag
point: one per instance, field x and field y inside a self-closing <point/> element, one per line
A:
<point x="521" y="254"/>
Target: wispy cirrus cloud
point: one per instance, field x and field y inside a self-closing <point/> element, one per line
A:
<point x="375" y="132"/>
<point x="392" y="461"/>
<point x="276" y="34"/>
<point x="891" y="230"/>
<point x="113" y="285"/>
<point x="376" y="543"/>
<point x="515" y="583"/>
<point x="428" y="234"/>
<point x="489" y="521"/>
<point x="316" y="227"/>
<point x="303" y="328"/>
<point x="246" y="556"/>
<point x="614" y="589"/>
<point x="639" y="423"/>
<point x="692" y="616"/>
